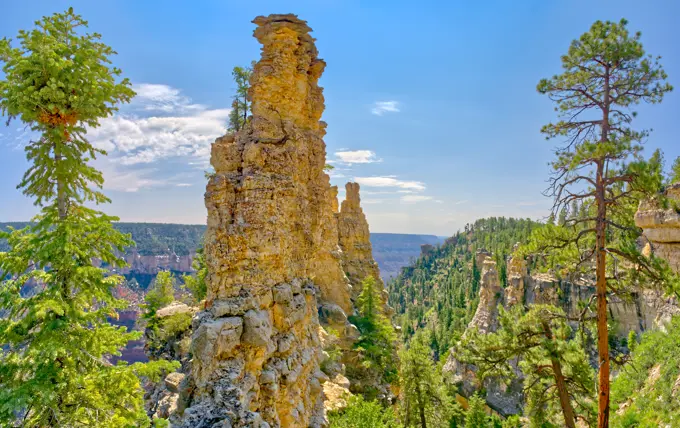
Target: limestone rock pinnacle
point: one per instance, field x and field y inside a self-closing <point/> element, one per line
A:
<point x="271" y="249"/>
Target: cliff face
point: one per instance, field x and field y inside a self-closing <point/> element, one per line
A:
<point x="647" y="309"/>
<point x="661" y="227"/>
<point x="271" y="249"/>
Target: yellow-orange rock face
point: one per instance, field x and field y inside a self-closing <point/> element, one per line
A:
<point x="661" y="226"/>
<point x="354" y="236"/>
<point x="271" y="248"/>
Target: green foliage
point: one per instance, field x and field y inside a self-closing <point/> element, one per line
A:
<point x="475" y="416"/>
<point x="425" y="400"/>
<point x="675" y="171"/>
<point x="361" y="413"/>
<point x="159" y="239"/>
<point x="150" y="239"/>
<point x="539" y="342"/>
<point x="195" y="283"/>
<point x="167" y="332"/>
<point x="240" y="107"/>
<point x="376" y="343"/>
<point x="606" y="73"/>
<point x="512" y="421"/>
<point x="160" y="294"/>
<point x="54" y="368"/>
<point x="644" y="394"/>
<point x="439" y="291"/>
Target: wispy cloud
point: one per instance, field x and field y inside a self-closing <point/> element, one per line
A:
<point x="526" y="204"/>
<point x="183" y="185"/>
<point x="155" y="97"/>
<point x="160" y="124"/>
<point x="357" y="156"/>
<point x="389" y="181"/>
<point x="382" y="107"/>
<point x="461" y="202"/>
<point x="412" y="199"/>
<point x="373" y="201"/>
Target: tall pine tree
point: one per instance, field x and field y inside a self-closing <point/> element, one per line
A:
<point x="425" y="401"/>
<point x="557" y="375"/>
<point x="54" y="368"/>
<point x="605" y="74"/>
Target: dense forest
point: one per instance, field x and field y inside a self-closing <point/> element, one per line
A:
<point x="150" y="239"/>
<point x="438" y="293"/>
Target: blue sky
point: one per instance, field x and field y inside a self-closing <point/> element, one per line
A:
<point x="431" y="106"/>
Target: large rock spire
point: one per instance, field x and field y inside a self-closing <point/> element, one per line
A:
<point x="271" y="249"/>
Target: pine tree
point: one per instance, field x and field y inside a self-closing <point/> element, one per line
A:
<point x="376" y="343"/>
<point x="675" y="171"/>
<point x="556" y="372"/>
<point x="475" y="416"/>
<point x="239" y="106"/>
<point x="196" y="283"/>
<point x="54" y="368"/>
<point x="606" y="73"/>
<point x="425" y="401"/>
<point x="161" y="293"/>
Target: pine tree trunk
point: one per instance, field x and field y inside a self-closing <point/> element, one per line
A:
<point x="61" y="195"/>
<point x="601" y="271"/>
<point x="565" y="403"/>
<point x="601" y="290"/>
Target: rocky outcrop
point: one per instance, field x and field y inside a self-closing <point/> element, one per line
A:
<point x="661" y="225"/>
<point x="168" y="337"/>
<point x="485" y="318"/>
<point x="646" y="309"/>
<point x="354" y="239"/>
<point x="271" y="249"/>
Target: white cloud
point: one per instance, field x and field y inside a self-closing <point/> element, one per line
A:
<point x="382" y="107"/>
<point x="389" y="181"/>
<point x="131" y="180"/>
<point x="131" y="139"/>
<point x="373" y="201"/>
<point x="462" y="202"/>
<point x="439" y="201"/>
<point x="411" y="199"/>
<point x="155" y="97"/>
<point x="160" y="124"/>
<point x="183" y="185"/>
<point x="357" y="156"/>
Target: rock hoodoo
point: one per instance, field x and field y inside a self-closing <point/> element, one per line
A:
<point x="354" y="239"/>
<point x="271" y="247"/>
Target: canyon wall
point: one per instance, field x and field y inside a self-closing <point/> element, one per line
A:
<point x="661" y="226"/>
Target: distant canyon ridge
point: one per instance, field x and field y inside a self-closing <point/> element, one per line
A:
<point x="161" y="246"/>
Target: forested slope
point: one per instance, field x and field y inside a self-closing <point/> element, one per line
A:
<point x="439" y="290"/>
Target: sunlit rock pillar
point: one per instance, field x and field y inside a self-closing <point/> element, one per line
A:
<point x="355" y="242"/>
<point x="256" y="346"/>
